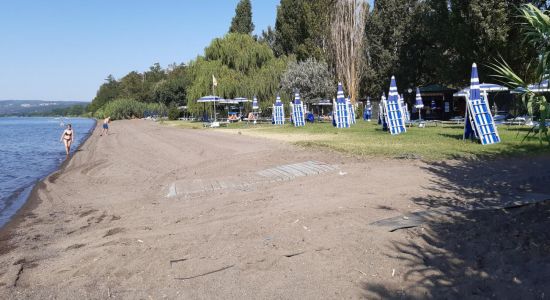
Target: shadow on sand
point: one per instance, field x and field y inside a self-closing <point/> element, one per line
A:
<point x="486" y="254"/>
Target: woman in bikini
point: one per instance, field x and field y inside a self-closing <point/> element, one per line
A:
<point x="67" y="138"/>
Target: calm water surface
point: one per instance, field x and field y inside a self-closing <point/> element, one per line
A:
<point x="29" y="151"/>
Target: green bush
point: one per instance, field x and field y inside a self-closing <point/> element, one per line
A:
<point x="173" y="113"/>
<point x="129" y="108"/>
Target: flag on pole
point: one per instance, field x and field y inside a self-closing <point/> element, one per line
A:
<point x="214" y="81"/>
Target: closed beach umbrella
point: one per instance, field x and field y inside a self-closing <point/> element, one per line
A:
<point x="255" y="103"/>
<point x="341" y="109"/>
<point x="298" y="115"/>
<point x="419" y="104"/>
<point x="367" y="115"/>
<point x="381" y="112"/>
<point x="394" y="112"/>
<point x="404" y="108"/>
<point x="278" y="112"/>
<point x="351" y="110"/>
<point x="479" y="114"/>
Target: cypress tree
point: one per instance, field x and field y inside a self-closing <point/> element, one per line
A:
<point x="242" y="22"/>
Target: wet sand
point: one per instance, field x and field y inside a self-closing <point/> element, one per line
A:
<point x="103" y="226"/>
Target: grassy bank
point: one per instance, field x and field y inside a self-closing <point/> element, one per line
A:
<point x="367" y="139"/>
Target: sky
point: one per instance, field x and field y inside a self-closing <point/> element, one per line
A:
<point x="63" y="50"/>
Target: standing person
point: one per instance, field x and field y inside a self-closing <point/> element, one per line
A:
<point x="67" y="137"/>
<point x="105" y="129"/>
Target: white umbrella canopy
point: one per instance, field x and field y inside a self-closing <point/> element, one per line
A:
<point x="483" y="87"/>
<point x="210" y="98"/>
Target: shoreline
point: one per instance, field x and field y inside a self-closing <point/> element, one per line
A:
<point x="32" y="201"/>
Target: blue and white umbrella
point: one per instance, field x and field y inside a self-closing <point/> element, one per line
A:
<point x="479" y="120"/>
<point x="543" y="87"/>
<point x="210" y="99"/>
<point x="419" y="104"/>
<point x="241" y="100"/>
<point x="255" y="103"/>
<point x="394" y="112"/>
<point x="207" y="99"/>
<point x="278" y="112"/>
<point x="367" y="114"/>
<point x="351" y="110"/>
<point x="341" y="109"/>
<point x="483" y="87"/>
<point x="404" y="108"/>
<point x="433" y="106"/>
<point x="382" y="112"/>
<point x="298" y="113"/>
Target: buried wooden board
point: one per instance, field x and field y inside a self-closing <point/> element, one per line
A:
<point x="275" y="174"/>
<point x="418" y="218"/>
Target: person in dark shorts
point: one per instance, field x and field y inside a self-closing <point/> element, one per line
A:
<point x="105" y="129"/>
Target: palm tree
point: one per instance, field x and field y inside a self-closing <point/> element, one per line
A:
<point x="536" y="29"/>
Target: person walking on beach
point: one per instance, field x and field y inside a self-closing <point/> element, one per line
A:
<point x="67" y="137"/>
<point x="105" y="129"/>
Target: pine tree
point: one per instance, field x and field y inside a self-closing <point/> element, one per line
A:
<point x="242" y="22"/>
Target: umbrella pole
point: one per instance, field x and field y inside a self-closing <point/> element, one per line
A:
<point x="214" y="94"/>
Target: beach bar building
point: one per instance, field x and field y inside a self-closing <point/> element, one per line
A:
<point x="442" y="96"/>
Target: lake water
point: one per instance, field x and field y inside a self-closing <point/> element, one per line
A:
<point x="30" y="150"/>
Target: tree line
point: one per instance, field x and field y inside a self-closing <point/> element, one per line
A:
<point x="316" y="42"/>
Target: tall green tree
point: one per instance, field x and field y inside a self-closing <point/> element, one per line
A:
<point x="173" y="89"/>
<point x="302" y="28"/>
<point x="242" y="66"/>
<point x="433" y="41"/>
<point x="108" y="91"/>
<point x="242" y="21"/>
<point x="387" y="31"/>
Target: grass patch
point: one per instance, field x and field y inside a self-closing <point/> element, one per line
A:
<point x="367" y="139"/>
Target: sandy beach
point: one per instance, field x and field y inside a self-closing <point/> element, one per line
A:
<point x="151" y="212"/>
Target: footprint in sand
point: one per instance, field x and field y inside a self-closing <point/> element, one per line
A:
<point x="114" y="231"/>
<point x="75" y="246"/>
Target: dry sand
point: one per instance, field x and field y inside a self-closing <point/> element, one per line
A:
<point x="104" y="227"/>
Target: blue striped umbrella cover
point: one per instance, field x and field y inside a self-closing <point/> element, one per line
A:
<point x="351" y="109"/>
<point x="367" y="114"/>
<point x="394" y="112"/>
<point x="382" y="112"/>
<point x="278" y="112"/>
<point x="341" y="109"/>
<point x="404" y="109"/>
<point x="418" y="101"/>
<point x="206" y="99"/>
<point x="479" y="113"/>
<point x="255" y="103"/>
<point x="298" y="115"/>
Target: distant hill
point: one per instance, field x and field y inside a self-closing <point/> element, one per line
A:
<point x="35" y="107"/>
